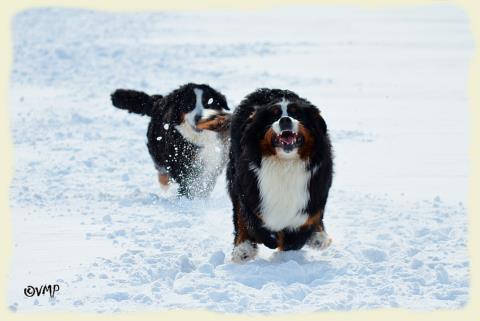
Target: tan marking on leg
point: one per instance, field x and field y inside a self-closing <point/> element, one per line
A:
<point x="317" y="228"/>
<point x="313" y="222"/>
<point x="280" y="240"/>
<point x="242" y="234"/>
<point x="164" y="180"/>
<point x="319" y="238"/>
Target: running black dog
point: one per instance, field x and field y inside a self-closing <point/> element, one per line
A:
<point x="187" y="135"/>
<point x="279" y="173"/>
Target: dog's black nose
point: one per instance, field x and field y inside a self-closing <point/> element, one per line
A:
<point x="285" y="123"/>
<point x="197" y="118"/>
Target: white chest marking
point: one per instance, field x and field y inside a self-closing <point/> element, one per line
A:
<point x="212" y="149"/>
<point x="284" y="192"/>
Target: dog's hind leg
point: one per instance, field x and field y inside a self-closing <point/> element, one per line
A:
<point x="164" y="180"/>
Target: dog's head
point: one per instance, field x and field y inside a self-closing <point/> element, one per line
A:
<point x="289" y="127"/>
<point x="198" y="106"/>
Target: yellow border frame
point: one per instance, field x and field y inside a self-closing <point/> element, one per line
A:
<point x="472" y="9"/>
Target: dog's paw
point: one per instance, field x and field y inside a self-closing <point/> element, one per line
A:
<point x="243" y="252"/>
<point x="319" y="240"/>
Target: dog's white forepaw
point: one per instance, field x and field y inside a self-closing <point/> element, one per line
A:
<point x="243" y="252"/>
<point x="319" y="240"/>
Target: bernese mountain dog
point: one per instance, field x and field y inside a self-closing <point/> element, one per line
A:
<point x="279" y="173"/>
<point x="188" y="134"/>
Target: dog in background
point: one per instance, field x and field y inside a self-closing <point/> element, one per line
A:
<point x="188" y="134"/>
<point x="279" y="173"/>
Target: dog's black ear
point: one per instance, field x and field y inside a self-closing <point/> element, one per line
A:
<point x="223" y="101"/>
<point x="226" y="103"/>
<point x="254" y="127"/>
<point x="171" y="106"/>
<point x="318" y="121"/>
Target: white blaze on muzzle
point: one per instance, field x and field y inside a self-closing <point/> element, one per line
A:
<point x="277" y="127"/>
<point x="197" y="112"/>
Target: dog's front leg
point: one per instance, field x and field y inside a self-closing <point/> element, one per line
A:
<point x="319" y="239"/>
<point x="245" y="247"/>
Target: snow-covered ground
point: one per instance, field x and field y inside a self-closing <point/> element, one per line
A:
<point x="87" y="211"/>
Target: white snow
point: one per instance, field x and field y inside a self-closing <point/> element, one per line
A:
<point x="88" y="213"/>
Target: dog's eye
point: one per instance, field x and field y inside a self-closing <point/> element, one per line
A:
<point x="292" y="109"/>
<point x="277" y="111"/>
<point x="210" y="101"/>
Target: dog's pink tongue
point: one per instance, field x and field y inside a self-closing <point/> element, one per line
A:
<point x="287" y="139"/>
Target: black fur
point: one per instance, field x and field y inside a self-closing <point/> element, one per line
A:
<point x="250" y="122"/>
<point x="170" y="151"/>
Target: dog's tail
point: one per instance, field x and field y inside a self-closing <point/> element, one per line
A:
<point x="134" y="101"/>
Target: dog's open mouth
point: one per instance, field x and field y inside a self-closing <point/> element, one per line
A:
<point x="287" y="140"/>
